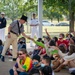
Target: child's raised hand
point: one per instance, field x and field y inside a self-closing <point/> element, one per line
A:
<point x="45" y="29"/>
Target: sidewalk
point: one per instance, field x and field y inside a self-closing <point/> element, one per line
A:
<point x="7" y="65"/>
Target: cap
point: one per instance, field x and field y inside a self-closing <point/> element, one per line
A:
<point x="36" y="57"/>
<point x="34" y="13"/>
<point x="24" y="18"/>
<point x="2" y="13"/>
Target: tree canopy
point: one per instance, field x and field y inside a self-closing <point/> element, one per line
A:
<point x="52" y="9"/>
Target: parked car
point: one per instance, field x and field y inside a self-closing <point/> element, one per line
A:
<point x="47" y="23"/>
<point x="62" y="24"/>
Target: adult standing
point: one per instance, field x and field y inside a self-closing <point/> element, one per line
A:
<point x="14" y="30"/>
<point x="2" y="26"/>
<point x="34" y="28"/>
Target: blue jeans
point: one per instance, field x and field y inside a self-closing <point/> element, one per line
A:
<point x="19" y="73"/>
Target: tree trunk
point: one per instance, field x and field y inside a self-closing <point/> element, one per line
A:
<point x="71" y="21"/>
<point x="58" y="19"/>
<point x="51" y="19"/>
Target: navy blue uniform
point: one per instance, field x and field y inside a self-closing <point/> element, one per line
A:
<point x="3" y="23"/>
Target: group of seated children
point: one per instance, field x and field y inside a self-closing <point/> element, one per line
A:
<point x="61" y="50"/>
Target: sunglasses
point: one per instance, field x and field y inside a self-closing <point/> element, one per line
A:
<point x="20" y="53"/>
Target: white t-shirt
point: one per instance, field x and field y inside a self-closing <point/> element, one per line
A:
<point x="69" y="57"/>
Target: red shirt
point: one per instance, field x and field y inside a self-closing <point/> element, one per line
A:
<point x="65" y="42"/>
<point x="43" y="51"/>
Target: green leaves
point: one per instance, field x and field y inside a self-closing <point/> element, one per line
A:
<point x="15" y="8"/>
<point x="52" y="9"/>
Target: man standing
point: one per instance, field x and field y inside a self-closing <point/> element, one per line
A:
<point x="14" y="30"/>
<point x="34" y="28"/>
<point x="2" y="26"/>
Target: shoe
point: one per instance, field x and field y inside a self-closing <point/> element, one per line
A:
<point x="0" y="55"/>
<point x="2" y="58"/>
<point x="14" y="59"/>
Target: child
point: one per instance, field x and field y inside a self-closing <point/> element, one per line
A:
<point x="68" y="58"/>
<point x="46" y="71"/>
<point x="36" y="61"/>
<point x="38" y="50"/>
<point x="21" y="43"/>
<point x="56" y="62"/>
<point x="46" y="61"/>
<point x="63" y="48"/>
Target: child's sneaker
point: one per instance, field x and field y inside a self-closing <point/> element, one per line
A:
<point x="2" y="58"/>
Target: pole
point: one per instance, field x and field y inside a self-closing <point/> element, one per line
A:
<point x="40" y="12"/>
